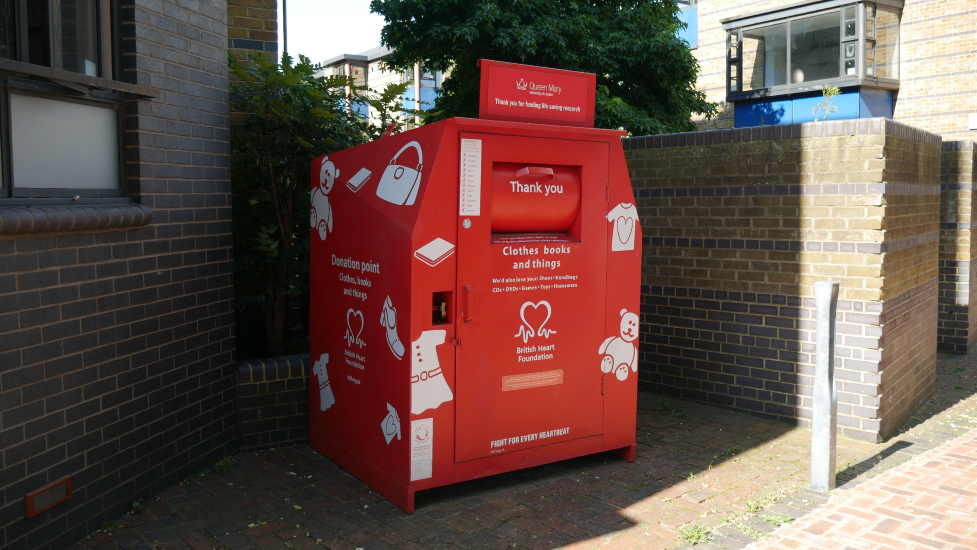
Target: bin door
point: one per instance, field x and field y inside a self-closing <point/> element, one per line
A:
<point x="531" y="295"/>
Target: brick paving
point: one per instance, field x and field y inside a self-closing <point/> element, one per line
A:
<point x="700" y="469"/>
<point x="925" y="503"/>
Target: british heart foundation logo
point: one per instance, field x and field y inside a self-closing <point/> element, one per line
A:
<point x="534" y="318"/>
<point x="354" y="328"/>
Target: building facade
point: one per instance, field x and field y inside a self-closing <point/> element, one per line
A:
<point x="765" y="62"/>
<point x="117" y="367"/>
<point x="369" y="69"/>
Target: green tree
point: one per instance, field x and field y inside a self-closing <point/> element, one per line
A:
<point x="287" y="118"/>
<point x="645" y="74"/>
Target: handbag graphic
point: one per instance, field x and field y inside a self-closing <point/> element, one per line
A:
<point x="399" y="184"/>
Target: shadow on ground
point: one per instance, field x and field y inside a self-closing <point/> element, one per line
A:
<point x="702" y="473"/>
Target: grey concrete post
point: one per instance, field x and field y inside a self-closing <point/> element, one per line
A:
<point x="824" y="417"/>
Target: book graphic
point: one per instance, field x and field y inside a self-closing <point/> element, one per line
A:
<point x="434" y="252"/>
<point x="356" y="182"/>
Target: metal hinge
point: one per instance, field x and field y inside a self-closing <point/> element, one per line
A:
<point x="607" y="192"/>
<point x="456" y="342"/>
<point x="602" y="384"/>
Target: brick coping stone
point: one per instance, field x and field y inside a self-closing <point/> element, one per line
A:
<point x="698" y="466"/>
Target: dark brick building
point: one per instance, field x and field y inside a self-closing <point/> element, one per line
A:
<point x="117" y="362"/>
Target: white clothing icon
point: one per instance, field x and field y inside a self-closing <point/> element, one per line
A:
<point x="399" y="184"/>
<point x="391" y="424"/>
<point x="353" y="335"/>
<point x="326" y="399"/>
<point x="435" y="252"/>
<point x="526" y="330"/>
<point x="388" y="318"/>
<point x="321" y="212"/>
<point x="618" y="351"/>
<point x="624" y="216"/>
<point x="428" y="387"/>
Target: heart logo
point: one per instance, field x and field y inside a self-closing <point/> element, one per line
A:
<point x="624" y="225"/>
<point x="353" y="337"/>
<point x="529" y="328"/>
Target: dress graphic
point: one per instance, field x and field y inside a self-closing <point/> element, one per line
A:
<point x="625" y="218"/>
<point x="326" y="398"/>
<point x="428" y="387"/>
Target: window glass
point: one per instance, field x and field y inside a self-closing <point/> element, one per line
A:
<point x="359" y="75"/>
<point x="887" y="44"/>
<point x="851" y="29"/>
<point x="8" y="30"/>
<point x="815" y="48"/>
<point x="38" y="34"/>
<point x="849" y="52"/>
<point x="870" y="21"/>
<point x="870" y="58"/>
<point x="76" y="36"/>
<point x="765" y="57"/>
<point x="60" y="144"/>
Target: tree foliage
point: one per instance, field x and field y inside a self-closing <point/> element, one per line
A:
<point x="288" y="117"/>
<point x="645" y="74"/>
<point x="285" y="116"/>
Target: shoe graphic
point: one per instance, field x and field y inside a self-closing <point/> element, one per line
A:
<point x="388" y="318"/>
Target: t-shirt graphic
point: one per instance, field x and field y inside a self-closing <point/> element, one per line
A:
<point x="428" y="387"/>
<point x="326" y="398"/>
<point x="625" y="218"/>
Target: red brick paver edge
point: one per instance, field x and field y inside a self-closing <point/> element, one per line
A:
<point x="928" y="502"/>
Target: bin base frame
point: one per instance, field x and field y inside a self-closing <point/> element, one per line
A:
<point x="402" y="495"/>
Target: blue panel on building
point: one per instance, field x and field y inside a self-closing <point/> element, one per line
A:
<point x="855" y="103"/>
<point x="428" y="95"/>
<point x="763" y="113"/>
<point x="846" y="103"/>
<point x="875" y="103"/>
<point x="409" y="98"/>
<point x="690" y="33"/>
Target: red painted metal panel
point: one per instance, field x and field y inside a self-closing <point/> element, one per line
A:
<point x="534" y="198"/>
<point x="524" y="93"/>
<point x="536" y="293"/>
<point x="416" y="361"/>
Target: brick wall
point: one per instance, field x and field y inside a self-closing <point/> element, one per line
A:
<point x="274" y="401"/>
<point x="937" y="65"/>
<point x="957" y="325"/>
<point x="252" y="25"/>
<point x="740" y="224"/>
<point x="116" y="346"/>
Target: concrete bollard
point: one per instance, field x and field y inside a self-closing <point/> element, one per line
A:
<point x="824" y="417"/>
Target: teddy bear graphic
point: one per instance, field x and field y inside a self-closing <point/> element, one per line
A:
<point x="618" y="351"/>
<point x="321" y="217"/>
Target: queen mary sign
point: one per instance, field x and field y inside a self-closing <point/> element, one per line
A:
<point x="522" y="93"/>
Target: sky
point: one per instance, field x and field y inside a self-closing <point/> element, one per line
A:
<point x="322" y="29"/>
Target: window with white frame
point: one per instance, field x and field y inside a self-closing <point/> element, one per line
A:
<point x="809" y="45"/>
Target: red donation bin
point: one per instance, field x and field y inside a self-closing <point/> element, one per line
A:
<point x="475" y="291"/>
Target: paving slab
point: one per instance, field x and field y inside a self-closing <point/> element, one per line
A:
<point x="927" y="502"/>
<point x="703" y="475"/>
